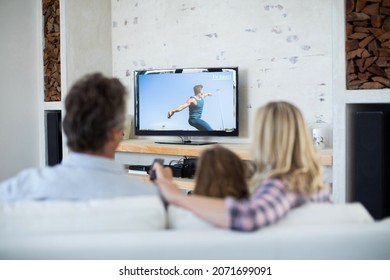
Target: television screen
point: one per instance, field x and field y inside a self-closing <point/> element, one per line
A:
<point x="186" y="102"/>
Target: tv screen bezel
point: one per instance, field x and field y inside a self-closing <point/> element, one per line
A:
<point x="184" y="133"/>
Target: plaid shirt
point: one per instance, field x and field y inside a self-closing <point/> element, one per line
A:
<point x="271" y="202"/>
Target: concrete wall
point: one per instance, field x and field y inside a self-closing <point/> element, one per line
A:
<point x="283" y="48"/>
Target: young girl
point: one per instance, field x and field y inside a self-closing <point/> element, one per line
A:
<point x="288" y="174"/>
<point x="220" y="173"/>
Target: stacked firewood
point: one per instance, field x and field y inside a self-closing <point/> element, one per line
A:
<point x="51" y="53"/>
<point x="368" y="44"/>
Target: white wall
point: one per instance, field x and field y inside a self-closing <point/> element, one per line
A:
<point x="20" y="50"/>
<point x="283" y="49"/>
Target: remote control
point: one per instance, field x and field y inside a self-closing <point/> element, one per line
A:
<point x="152" y="172"/>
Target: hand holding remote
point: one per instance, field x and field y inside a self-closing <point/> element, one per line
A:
<point x="152" y="172"/>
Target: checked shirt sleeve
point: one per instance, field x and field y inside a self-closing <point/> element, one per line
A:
<point x="269" y="204"/>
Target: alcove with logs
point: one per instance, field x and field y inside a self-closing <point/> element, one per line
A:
<point x="368" y="44"/>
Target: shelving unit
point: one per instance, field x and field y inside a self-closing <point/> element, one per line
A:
<point x="344" y="102"/>
<point x="76" y="59"/>
<point x="183" y="183"/>
<point x="51" y="106"/>
<point x="134" y="147"/>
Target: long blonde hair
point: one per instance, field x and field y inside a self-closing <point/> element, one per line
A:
<point x="283" y="148"/>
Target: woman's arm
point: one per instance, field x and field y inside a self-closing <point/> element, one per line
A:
<point x="266" y="206"/>
<point x="210" y="209"/>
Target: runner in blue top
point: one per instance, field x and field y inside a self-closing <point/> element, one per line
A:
<point x="195" y="104"/>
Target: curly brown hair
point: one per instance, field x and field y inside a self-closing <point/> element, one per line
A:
<point x="94" y="106"/>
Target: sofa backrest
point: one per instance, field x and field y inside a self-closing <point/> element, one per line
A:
<point x="121" y="214"/>
<point x="141" y="213"/>
<point x="308" y="214"/>
<point x="327" y="213"/>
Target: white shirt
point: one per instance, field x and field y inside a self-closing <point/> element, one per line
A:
<point x="79" y="176"/>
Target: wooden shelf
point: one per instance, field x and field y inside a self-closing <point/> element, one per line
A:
<point x="183" y="183"/>
<point x="140" y="146"/>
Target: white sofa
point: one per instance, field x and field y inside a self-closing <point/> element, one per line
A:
<point x="140" y="228"/>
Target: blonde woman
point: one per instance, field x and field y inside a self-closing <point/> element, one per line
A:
<point x="288" y="174"/>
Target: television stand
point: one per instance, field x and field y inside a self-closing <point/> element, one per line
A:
<point x="140" y="151"/>
<point x="186" y="142"/>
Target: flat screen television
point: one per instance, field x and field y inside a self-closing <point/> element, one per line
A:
<point x="186" y="102"/>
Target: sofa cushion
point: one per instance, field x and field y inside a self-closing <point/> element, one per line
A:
<point x="326" y="213"/>
<point x="308" y="214"/>
<point x="180" y="218"/>
<point x="103" y="215"/>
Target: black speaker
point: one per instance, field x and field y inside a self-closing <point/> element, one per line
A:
<point x="53" y="137"/>
<point x="371" y="174"/>
<point x="189" y="167"/>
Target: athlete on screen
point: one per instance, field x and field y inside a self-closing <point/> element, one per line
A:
<point x="195" y="104"/>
